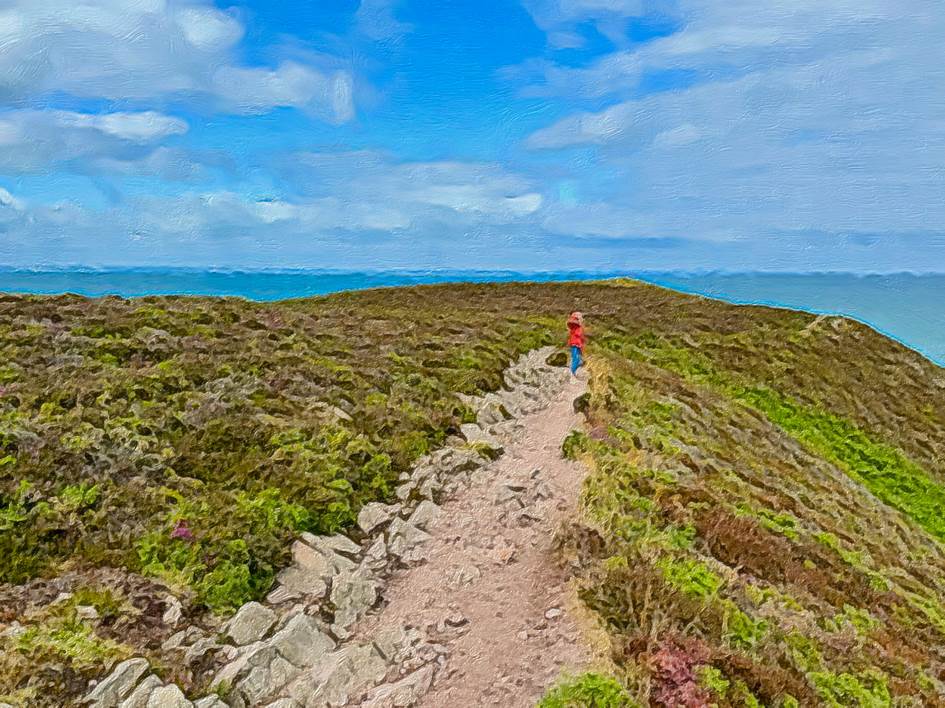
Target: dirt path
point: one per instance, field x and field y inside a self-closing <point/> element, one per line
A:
<point x="491" y="596"/>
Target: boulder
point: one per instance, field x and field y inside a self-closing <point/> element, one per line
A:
<point x="142" y="693"/>
<point x="250" y="624"/>
<point x="404" y="693"/>
<point x="424" y="514"/>
<point x="112" y="689"/>
<point x="403" y="538"/>
<point x="301" y="641"/>
<point x="353" y="594"/>
<point x="376" y="514"/>
<point x="475" y="435"/>
<point x="375" y="557"/>
<point x="210" y="702"/>
<point x="169" y="696"/>
<point x="336" y="544"/>
<point x="339" y="676"/>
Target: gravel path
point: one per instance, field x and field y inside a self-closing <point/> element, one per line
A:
<point x="491" y="597"/>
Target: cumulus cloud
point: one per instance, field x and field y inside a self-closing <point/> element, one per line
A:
<point x="805" y="118"/>
<point x="34" y="140"/>
<point x="152" y="50"/>
<point x="560" y="19"/>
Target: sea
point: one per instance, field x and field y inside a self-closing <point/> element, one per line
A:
<point x="909" y="308"/>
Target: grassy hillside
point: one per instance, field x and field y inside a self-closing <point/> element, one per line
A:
<point x="764" y="511"/>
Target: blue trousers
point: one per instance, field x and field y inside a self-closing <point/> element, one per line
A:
<point x="575" y="359"/>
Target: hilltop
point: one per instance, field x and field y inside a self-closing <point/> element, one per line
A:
<point x="761" y="523"/>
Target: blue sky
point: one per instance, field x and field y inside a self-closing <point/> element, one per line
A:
<point x="523" y="134"/>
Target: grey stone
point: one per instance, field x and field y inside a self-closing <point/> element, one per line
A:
<point x="391" y="643"/>
<point x="403" y="538"/>
<point x="375" y="558"/>
<point x="181" y="638"/>
<point x="86" y="612"/>
<point x="229" y="673"/>
<point x="264" y="680"/>
<point x="406" y="692"/>
<point x="339" y="676"/>
<point x="210" y="702"/>
<point x="174" y="612"/>
<point x="250" y="624"/>
<point x="199" y="649"/>
<point x="336" y="543"/>
<point x="425" y="513"/>
<point x="139" y="697"/>
<point x="284" y="703"/>
<point x="474" y="434"/>
<point x="301" y="641"/>
<point x="169" y="696"/>
<point x="118" y="684"/>
<point x="374" y="515"/>
<point x="353" y="594"/>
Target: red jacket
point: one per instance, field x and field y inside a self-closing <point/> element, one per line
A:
<point x="576" y="335"/>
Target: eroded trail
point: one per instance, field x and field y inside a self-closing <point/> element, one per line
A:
<point x="491" y="597"/>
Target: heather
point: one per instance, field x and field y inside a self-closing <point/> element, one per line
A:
<point x="761" y="522"/>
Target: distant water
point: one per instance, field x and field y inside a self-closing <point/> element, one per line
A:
<point x="910" y="308"/>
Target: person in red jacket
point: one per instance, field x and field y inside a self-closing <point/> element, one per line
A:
<point x="576" y="340"/>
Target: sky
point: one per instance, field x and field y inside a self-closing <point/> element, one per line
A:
<point x="784" y="135"/>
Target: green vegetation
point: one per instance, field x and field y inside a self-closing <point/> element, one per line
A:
<point x="588" y="690"/>
<point x="766" y="492"/>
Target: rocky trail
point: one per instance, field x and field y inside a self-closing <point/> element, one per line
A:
<point x="450" y="597"/>
<point x="491" y="596"/>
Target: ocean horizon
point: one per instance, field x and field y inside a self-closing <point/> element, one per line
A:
<point x="909" y="308"/>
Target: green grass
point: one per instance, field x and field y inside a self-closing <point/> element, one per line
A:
<point x="589" y="690"/>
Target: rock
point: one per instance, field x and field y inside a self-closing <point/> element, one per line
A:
<point x="86" y="612"/>
<point x="112" y="689"/>
<point x="338" y="676"/>
<point x="403" y="539"/>
<point x="425" y="513"/>
<point x="296" y="582"/>
<point x="463" y="575"/>
<point x="210" y="702"/>
<point x="250" y="624"/>
<point x="199" y="649"/>
<point x="474" y="434"/>
<point x="337" y="543"/>
<point x="353" y="594"/>
<point x="402" y="694"/>
<point x="14" y="630"/>
<point x="455" y="619"/>
<point x="301" y="641"/>
<point x="491" y="411"/>
<point x="173" y="611"/>
<point x="376" y="514"/>
<point x="375" y="558"/>
<point x="284" y="703"/>
<point x="142" y="693"/>
<point x="391" y="643"/>
<point x="553" y="613"/>
<point x="181" y="638"/>
<point x="169" y="696"/>
<point x="265" y="679"/>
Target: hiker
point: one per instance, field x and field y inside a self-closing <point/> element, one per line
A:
<point x="576" y="341"/>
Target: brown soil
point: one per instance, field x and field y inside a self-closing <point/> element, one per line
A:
<point x="492" y="593"/>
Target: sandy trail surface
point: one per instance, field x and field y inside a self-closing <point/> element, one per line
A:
<point x="491" y="596"/>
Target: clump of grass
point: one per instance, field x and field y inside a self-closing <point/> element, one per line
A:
<point x="589" y="690"/>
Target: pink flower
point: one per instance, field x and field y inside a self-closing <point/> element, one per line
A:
<point x="182" y="532"/>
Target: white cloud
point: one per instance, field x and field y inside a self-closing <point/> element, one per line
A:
<point x="257" y="90"/>
<point x="8" y="201"/>
<point x="803" y="118"/>
<point x="560" y="18"/>
<point x="158" y="50"/>
<point x="208" y="28"/>
<point x="33" y="140"/>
